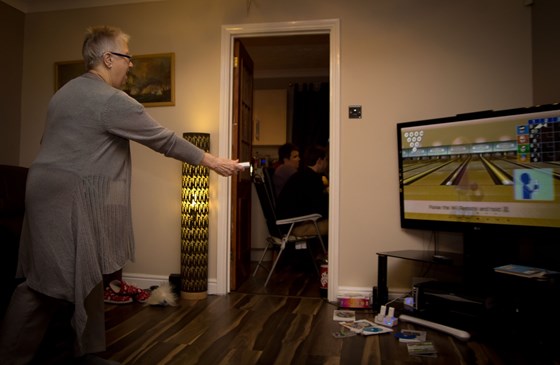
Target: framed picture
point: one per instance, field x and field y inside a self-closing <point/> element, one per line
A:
<point x="66" y="71"/>
<point x="151" y="81"/>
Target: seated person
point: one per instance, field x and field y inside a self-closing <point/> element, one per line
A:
<point x="305" y="193"/>
<point x="288" y="159"/>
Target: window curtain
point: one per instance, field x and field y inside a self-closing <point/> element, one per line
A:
<point x="308" y="114"/>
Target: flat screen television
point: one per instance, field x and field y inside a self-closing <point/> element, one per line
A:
<point x="481" y="171"/>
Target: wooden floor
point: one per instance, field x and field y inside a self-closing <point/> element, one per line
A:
<point x="287" y="323"/>
<point x="295" y="275"/>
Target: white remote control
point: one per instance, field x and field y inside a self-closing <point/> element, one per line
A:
<point x="460" y="334"/>
<point x="245" y="164"/>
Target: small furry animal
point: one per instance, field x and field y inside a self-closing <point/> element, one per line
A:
<point x="163" y="295"/>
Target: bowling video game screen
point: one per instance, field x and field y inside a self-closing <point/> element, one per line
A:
<point x="493" y="168"/>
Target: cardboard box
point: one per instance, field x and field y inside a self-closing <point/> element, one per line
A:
<point x="353" y="301"/>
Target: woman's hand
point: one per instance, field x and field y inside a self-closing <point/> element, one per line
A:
<point x="222" y="166"/>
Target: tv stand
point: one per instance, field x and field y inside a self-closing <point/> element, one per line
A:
<point x="441" y="258"/>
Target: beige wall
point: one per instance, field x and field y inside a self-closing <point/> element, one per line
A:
<point x="11" y="39"/>
<point x="400" y="59"/>
<point x="270" y="109"/>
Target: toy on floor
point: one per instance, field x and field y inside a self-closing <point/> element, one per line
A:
<point x="162" y="295"/>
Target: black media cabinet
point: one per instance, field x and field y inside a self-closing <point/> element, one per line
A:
<point x="509" y="305"/>
<point x="442" y="258"/>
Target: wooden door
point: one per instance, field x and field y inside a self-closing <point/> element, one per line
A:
<point x="242" y="138"/>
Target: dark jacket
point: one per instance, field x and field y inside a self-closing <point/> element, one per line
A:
<point x="304" y="193"/>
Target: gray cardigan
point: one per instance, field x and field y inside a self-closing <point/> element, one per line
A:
<point x="78" y="217"/>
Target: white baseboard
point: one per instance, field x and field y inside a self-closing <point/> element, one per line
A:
<point x="351" y="290"/>
<point x="256" y="254"/>
<point x="145" y="281"/>
<point x="393" y="294"/>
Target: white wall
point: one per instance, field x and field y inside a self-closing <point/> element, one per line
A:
<point x="400" y="59"/>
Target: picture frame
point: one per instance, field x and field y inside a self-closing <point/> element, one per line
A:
<point x="151" y="80"/>
<point x="66" y="71"/>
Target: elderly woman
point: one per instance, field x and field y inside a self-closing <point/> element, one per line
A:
<point x="78" y="223"/>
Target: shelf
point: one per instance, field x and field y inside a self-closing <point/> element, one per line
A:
<point x="447" y="258"/>
<point x="442" y="258"/>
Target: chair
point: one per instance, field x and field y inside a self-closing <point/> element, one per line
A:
<point x="280" y="229"/>
<point x="267" y="175"/>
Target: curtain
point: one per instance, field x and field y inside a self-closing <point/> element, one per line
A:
<point x="308" y="114"/>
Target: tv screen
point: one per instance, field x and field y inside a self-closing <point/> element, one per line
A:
<point x="495" y="169"/>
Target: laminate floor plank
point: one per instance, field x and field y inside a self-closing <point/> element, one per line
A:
<point x="273" y="326"/>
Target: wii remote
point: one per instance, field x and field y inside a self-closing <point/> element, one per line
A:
<point x="460" y="334"/>
<point x="244" y="164"/>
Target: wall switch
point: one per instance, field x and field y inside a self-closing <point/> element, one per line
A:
<point x="355" y="112"/>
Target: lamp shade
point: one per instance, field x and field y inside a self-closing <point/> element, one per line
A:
<point x="194" y="223"/>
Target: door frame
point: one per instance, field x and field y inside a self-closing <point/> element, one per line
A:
<point x="229" y="33"/>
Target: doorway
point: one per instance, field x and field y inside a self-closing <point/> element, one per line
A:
<point x="229" y="34"/>
<point x="290" y="89"/>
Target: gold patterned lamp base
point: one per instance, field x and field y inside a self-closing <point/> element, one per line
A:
<point x="194" y="224"/>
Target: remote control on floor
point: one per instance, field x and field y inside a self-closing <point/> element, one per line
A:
<point x="460" y="334"/>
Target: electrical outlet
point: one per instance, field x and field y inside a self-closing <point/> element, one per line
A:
<point x="355" y="112"/>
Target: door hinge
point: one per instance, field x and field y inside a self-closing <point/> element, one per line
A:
<point x="235" y="62"/>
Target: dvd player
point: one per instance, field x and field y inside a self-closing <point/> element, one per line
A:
<point x="447" y="298"/>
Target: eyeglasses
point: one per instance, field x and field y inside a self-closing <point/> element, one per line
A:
<point x="128" y="57"/>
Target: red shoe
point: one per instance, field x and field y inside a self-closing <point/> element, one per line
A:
<point x="109" y="296"/>
<point x="123" y="288"/>
<point x="143" y="296"/>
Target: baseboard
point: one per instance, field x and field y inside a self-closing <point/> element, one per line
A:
<point x="257" y="253"/>
<point x="393" y="294"/>
<point x="352" y="290"/>
<point x="146" y="281"/>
